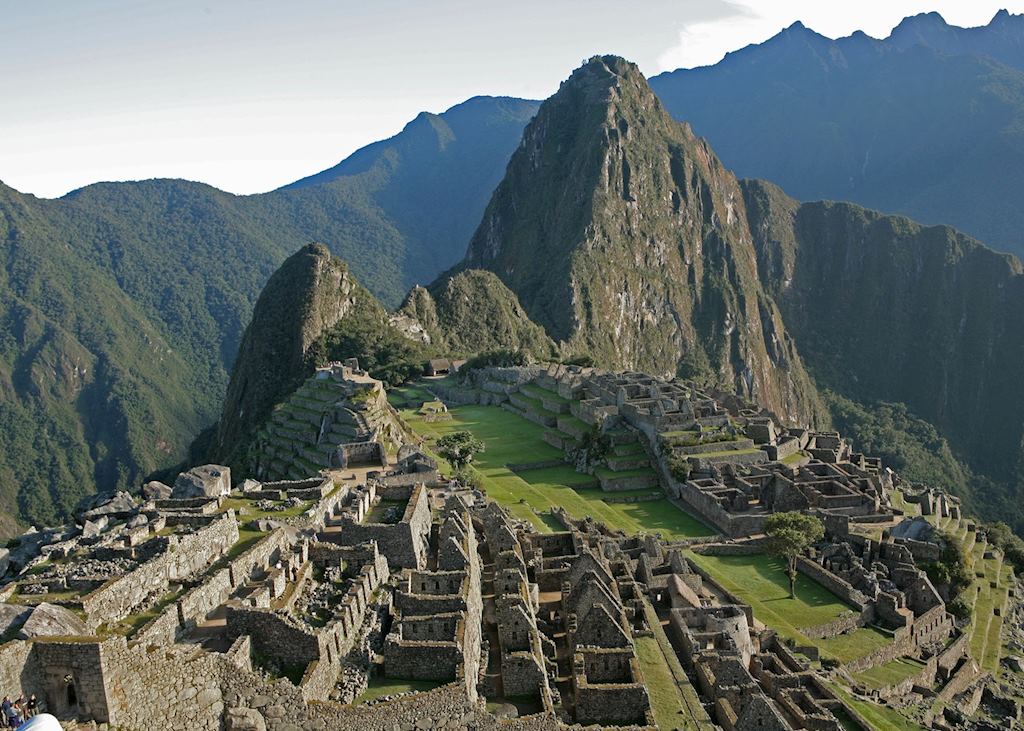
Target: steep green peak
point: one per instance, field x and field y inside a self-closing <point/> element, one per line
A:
<point x="625" y="238"/>
<point x="310" y="293"/>
<point x="473" y="312"/>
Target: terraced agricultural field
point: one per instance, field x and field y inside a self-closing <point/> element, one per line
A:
<point x="988" y="592"/>
<point x="531" y="493"/>
<point x="890" y="673"/>
<point x="761" y="581"/>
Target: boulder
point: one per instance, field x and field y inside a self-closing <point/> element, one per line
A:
<point x="49" y="620"/>
<point x="111" y="505"/>
<point x="138" y="520"/>
<point x="264" y="525"/>
<point x="93" y="528"/>
<point x="5" y="561"/>
<point x="156" y="490"/>
<point x="251" y="486"/>
<point x="209" y="480"/>
<point x="12" y="616"/>
<point x="244" y="719"/>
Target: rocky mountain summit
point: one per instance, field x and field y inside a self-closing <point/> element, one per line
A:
<point x="627" y="240"/>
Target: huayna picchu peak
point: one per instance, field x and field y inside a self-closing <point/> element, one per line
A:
<point x="626" y="239"/>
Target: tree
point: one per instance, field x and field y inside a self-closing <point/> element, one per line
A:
<point x="459" y="448"/>
<point x="789" y="535"/>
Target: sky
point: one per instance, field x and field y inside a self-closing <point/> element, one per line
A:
<point x="248" y="95"/>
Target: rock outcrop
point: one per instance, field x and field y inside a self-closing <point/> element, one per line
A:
<point x="209" y="480"/>
<point x="624" y="236"/>
<point x="885" y="309"/>
<point x="50" y="620"/>
<point x="472" y="312"/>
<point x="311" y="292"/>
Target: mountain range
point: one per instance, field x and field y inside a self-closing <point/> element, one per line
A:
<point x="624" y="238"/>
<point x="621" y="237"/>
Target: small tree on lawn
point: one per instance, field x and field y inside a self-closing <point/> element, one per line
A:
<point x="789" y="535"/>
<point x="459" y="448"/>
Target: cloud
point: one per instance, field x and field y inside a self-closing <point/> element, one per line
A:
<point x="711" y="32"/>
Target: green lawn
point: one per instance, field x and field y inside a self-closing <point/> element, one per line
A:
<point x="530" y="494"/>
<point x="674" y="701"/>
<point x="890" y="673"/>
<point x="986" y="627"/>
<point x="389" y="686"/>
<point x="879" y="716"/>
<point x="666" y="702"/>
<point x="253" y="513"/>
<point x="761" y="581"/>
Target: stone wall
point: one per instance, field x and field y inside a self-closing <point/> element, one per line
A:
<point x="838" y="586"/>
<point x="901" y="646"/>
<point x="404" y="543"/>
<point x="179" y="688"/>
<point x="843" y="623"/>
<point x="446" y="707"/>
<point x="17" y="675"/>
<point x="746" y="548"/>
<point x="274" y="636"/>
<point x="185" y="556"/>
<point x="74" y="679"/>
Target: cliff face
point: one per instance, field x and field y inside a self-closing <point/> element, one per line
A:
<point x="623" y="236"/>
<point x="309" y="295"/>
<point x="886" y="309"/>
<point x="473" y="312"/>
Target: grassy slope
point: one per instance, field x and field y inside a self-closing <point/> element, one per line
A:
<point x="761" y="582"/>
<point x="532" y="493"/>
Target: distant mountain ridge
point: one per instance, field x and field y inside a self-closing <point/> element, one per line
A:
<point x="928" y="122"/>
<point x="124" y="303"/>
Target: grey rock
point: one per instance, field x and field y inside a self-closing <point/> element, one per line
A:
<point x="260" y="701"/>
<point x="208" y="697"/>
<point x="93" y="528"/>
<point x="275" y="712"/>
<point x="251" y="486"/>
<point x="12" y="616"/>
<point x="118" y="504"/>
<point x="138" y="520"/>
<point x="264" y="524"/>
<point x="5" y="560"/>
<point x="244" y="719"/>
<point x="205" y="481"/>
<point x="49" y="620"/>
<point x="156" y="490"/>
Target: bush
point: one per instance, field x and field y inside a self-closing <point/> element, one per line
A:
<point x="584" y="360"/>
<point x="497" y="359"/>
<point x="959" y="608"/>
<point x="679" y="466"/>
<point x="468" y="478"/>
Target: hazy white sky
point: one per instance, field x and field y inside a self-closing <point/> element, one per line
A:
<point x="248" y="95"/>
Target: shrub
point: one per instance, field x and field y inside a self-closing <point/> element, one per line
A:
<point x="497" y="359"/>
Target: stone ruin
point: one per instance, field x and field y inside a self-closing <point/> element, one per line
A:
<point x="197" y="607"/>
<point x="339" y="418"/>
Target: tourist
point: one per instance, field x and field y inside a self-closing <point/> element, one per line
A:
<point x="11" y="714"/>
<point x="32" y="707"/>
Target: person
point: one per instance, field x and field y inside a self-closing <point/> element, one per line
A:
<point x="32" y="707"/>
<point x="11" y="713"/>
